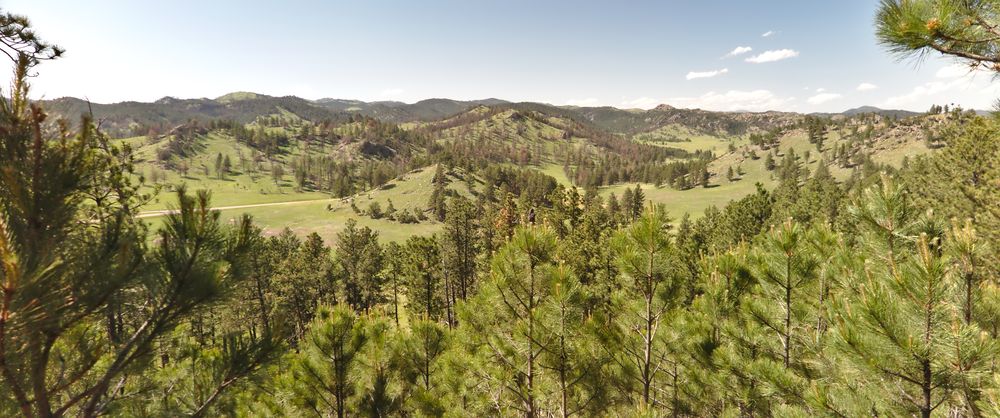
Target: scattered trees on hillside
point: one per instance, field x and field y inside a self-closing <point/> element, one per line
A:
<point x="818" y="298"/>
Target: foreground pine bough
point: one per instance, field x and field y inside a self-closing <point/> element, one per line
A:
<point x="876" y="297"/>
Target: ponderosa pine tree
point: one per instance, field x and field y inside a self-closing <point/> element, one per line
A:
<point x="626" y="203"/>
<point x="199" y="378"/>
<point x="394" y="274"/>
<point x="637" y="203"/>
<point x="460" y="246"/>
<point x="572" y="359"/>
<point x="784" y="320"/>
<point x="720" y="340"/>
<point x="742" y="220"/>
<point x="438" y="200"/>
<point x="614" y="208"/>
<point x="303" y="281"/>
<point x="424" y="288"/>
<point x="258" y="287"/>
<point x="586" y="250"/>
<point x="420" y="353"/>
<point x="652" y="286"/>
<point x="381" y="393"/>
<point x="959" y="181"/>
<point x="322" y="378"/>
<point x="901" y="326"/>
<point x="820" y="199"/>
<point x="360" y="257"/>
<point x="504" y="324"/>
<point x="966" y="30"/>
<point x="785" y="271"/>
<point x="73" y="261"/>
<point x="790" y="169"/>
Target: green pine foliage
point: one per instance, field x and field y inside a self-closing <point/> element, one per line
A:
<point x="875" y="296"/>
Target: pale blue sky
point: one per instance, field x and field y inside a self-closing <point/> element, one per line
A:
<point x="818" y="55"/>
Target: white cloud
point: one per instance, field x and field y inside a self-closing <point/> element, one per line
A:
<point x="773" y="55"/>
<point x="641" y="103"/>
<point x="866" y="87"/>
<point x="979" y="89"/>
<point x="921" y="91"/>
<point x="393" y="92"/>
<point x="767" y="34"/>
<point x="706" y="74"/>
<point x="823" y="98"/>
<point x="590" y="101"/>
<point x="740" y="50"/>
<point x="732" y="100"/>
<point x="952" y="71"/>
<point x="973" y="87"/>
<point x="959" y="70"/>
<point x="820" y="90"/>
<point x="753" y="100"/>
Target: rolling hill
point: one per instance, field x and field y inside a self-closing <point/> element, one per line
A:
<point x="424" y="110"/>
<point x="301" y="163"/>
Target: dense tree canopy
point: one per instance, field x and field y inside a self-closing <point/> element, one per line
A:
<point x="874" y="296"/>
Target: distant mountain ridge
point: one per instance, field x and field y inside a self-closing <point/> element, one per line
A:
<point x="891" y="113"/>
<point x="130" y="117"/>
<point x="125" y="118"/>
<point x="393" y="111"/>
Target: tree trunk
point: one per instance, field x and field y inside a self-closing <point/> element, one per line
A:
<point x="787" y="338"/>
<point x="967" y="309"/>
<point x="925" y="409"/>
<point x="647" y="378"/>
<point x="395" y="298"/>
<point x="531" y="336"/>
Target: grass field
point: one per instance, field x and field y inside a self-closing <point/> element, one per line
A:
<point x="328" y="216"/>
<point x="676" y="136"/>
<point x="721" y="191"/>
<point x="310" y="211"/>
<point x="238" y="188"/>
<point x="694" y="201"/>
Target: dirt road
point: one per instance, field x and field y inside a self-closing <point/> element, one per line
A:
<point x="155" y="213"/>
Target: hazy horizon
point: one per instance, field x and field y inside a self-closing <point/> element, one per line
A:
<point x="474" y="100"/>
<point x="779" y="55"/>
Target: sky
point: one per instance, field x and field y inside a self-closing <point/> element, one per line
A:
<point x="790" y="55"/>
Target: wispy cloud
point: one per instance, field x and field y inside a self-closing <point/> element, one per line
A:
<point x="866" y="87"/>
<point x="641" y="103"/>
<point x="773" y="55"/>
<point x="960" y="70"/>
<point x="823" y="98"/>
<point x="944" y="90"/>
<point x="590" y="101"/>
<point x="706" y="74"/>
<point x="732" y="100"/>
<point x="393" y="92"/>
<point x="923" y="91"/>
<point x="768" y="34"/>
<point x="740" y="50"/>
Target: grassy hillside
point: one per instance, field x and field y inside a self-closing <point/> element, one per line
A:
<point x="688" y="139"/>
<point x="327" y="216"/>
<point x="638" y="121"/>
<point x="424" y="110"/>
<point x="518" y="135"/>
<point x="887" y="144"/>
<point x="135" y="118"/>
<point x="239" y="187"/>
